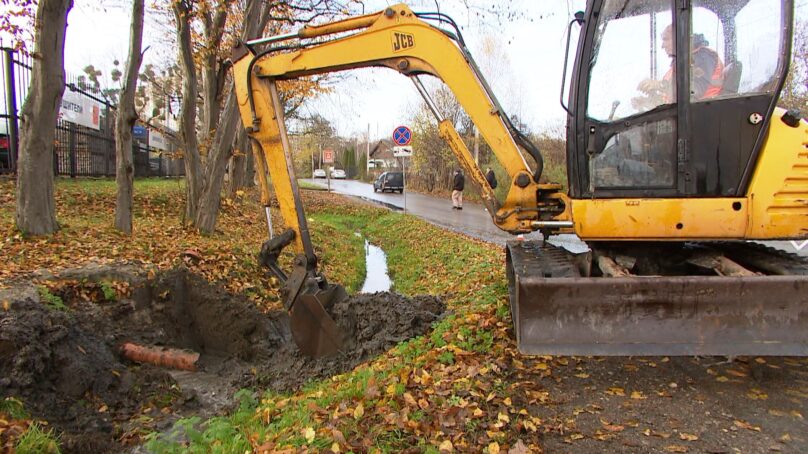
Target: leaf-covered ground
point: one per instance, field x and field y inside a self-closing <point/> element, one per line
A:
<point x="464" y="387"/>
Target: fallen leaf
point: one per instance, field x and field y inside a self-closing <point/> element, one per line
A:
<point x="577" y="436"/>
<point x="582" y="375"/>
<point x="616" y="391"/>
<point x="688" y="437"/>
<point x="676" y="448"/>
<point x="612" y="427"/>
<point x="638" y="395"/>
<point x="756" y="394"/>
<point x="527" y="424"/>
<point x="359" y="411"/>
<point x="721" y="379"/>
<point x="446" y="446"/>
<point x="493" y="448"/>
<point x="746" y="425"/>
<point x="409" y="400"/>
<point x="308" y="434"/>
<point x="335" y="448"/>
<point x="519" y="448"/>
<point x="6" y="305"/>
<point x="736" y="373"/>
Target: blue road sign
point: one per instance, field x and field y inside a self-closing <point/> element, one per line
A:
<point x="402" y="135"/>
<point x="139" y="131"/>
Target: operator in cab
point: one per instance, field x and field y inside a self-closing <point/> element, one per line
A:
<point x="706" y="74"/>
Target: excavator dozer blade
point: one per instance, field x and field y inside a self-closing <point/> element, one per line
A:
<point x="313" y="329"/>
<point x="556" y="311"/>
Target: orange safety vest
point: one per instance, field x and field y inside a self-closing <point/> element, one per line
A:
<point x="716" y="78"/>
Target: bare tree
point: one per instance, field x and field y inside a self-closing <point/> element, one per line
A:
<point x="205" y="178"/>
<point x="127" y="116"/>
<point x="208" y="129"/>
<point x="36" y="211"/>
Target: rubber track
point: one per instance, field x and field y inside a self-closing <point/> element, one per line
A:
<point x="764" y="257"/>
<point x="537" y="258"/>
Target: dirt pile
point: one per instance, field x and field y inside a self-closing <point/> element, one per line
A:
<point x="61" y="356"/>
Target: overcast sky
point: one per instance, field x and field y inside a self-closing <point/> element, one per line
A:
<point x="527" y="79"/>
<point x="380" y="99"/>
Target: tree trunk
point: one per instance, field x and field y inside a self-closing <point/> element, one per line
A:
<point x="127" y="116"/>
<point x="219" y="154"/>
<point x="249" y="178"/>
<point x="187" y="122"/>
<point x="208" y="209"/>
<point x="212" y="77"/>
<point x="238" y="164"/>
<point x="36" y="210"/>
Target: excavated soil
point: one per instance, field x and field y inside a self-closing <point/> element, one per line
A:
<point x="65" y="365"/>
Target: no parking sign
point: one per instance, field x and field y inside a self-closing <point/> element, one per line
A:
<point x="402" y="136"/>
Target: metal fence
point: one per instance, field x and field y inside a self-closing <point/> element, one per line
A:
<point x="79" y="150"/>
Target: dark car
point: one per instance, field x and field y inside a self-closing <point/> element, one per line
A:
<point x="389" y="181"/>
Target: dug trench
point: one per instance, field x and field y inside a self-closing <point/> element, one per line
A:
<point x="60" y="350"/>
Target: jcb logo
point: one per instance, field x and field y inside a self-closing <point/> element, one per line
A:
<point x="402" y="41"/>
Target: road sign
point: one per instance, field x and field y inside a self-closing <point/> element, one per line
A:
<point x="402" y="152"/>
<point x="328" y="156"/>
<point x="402" y="135"/>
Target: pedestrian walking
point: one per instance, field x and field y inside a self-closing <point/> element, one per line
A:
<point x="457" y="190"/>
<point x="491" y="178"/>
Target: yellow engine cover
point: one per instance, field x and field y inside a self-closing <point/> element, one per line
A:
<point x="775" y="206"/>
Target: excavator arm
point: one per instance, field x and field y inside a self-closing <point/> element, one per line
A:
<point x="399" y="39"/>
<point x="395" y="38"/>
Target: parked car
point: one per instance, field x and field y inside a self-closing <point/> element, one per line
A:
<point x="338" y="174"/>
<point x="389" y="181"/>
<point x="319" y="173"/>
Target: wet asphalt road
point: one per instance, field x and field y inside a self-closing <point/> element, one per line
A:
<point x="473" y="220"/>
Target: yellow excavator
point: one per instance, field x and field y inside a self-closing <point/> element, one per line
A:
<point x="677" y="157"/>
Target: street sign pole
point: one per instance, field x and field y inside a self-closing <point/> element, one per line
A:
<point x="404" y="184"/>
<point x="402" y="136"/>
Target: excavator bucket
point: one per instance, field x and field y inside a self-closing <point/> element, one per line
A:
<point x="561" y="306"/>
<point x="307" y="296"/>
<point x="313" y="329"/>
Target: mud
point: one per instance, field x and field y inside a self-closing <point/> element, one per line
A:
<point x="66" y="367"/>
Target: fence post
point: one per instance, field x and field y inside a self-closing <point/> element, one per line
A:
<point x="111" y="150"/>
<point x="11" y="102"/>
<point x="71" y="149"/>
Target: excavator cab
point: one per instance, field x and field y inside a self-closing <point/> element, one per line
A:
<point x="671" y="101"/>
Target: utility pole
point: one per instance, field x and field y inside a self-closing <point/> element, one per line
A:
<point x="367" y="153"/>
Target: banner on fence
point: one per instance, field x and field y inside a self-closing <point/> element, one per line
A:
<point x="80" y="110"/>
<point x="157" y="140"/>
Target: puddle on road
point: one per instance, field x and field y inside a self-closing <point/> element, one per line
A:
<point x="376" y="277"/>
